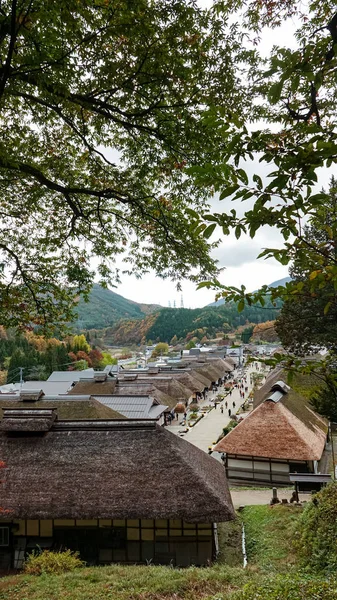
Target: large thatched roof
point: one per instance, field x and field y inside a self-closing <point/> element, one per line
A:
<point x="111" y="469"/>
<point x="297" y="403"/>
<point x="67" y="408"/>
<point x="272" y="430"/>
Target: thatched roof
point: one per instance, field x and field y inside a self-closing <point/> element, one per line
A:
<point x="297" y="403"/>
<point x="170" y="386"/>
<point x="272" y="431"/>
<point x="111" y="469"/>
<point x="67" y="409"/>
<point x="189" y="379"/>
<point x="209" y="370"/>
<point x="91" y="387"/>
<point x="206" y="381"/>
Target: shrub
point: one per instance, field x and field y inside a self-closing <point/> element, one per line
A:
<point x="315" y="539"/>
<point x="52" y="562"/>
<point x="229" y="427"/>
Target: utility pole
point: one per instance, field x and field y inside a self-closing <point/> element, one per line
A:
<point x="21" y="376"/>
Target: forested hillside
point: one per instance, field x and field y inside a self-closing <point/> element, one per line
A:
<point x="185" y="323"/>
<point x="105" y="308"/>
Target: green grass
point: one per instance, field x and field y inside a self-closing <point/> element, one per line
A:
<point x="272" y="573"/>
<point x="269" y="536"/>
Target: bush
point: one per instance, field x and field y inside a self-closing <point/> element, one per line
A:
<point x="316" y="537"/>
<point x="229" y="427"/>
<point x="52" y="562"/>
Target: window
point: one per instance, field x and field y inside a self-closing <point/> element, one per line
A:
<point x="4" y="536"/>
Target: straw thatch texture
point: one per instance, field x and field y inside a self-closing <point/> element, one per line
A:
<point x="27" y="419"/>
<point x="170" y="386"/>
<point x="94" y="388"/>
<point x="189" y="380"/>
<point x="209" y="371"/>
<point x="206" y="381"/>
<point x="297" y="403"/>
<point x="272" y="431"/>
<point x="111" y="469"/>
<point x="66" y="409"/>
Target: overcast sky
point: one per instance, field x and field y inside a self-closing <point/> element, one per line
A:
<point x="237" y="256"/>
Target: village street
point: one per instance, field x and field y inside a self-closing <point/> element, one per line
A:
<point x="206" y="432"/>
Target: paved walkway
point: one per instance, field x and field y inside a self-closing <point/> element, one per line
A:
<point x="206" y="432"/>
<point x="246" y="497"/>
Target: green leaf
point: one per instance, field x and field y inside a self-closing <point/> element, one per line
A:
<point x="228" y="191"/>
<point x="209" y="230"/>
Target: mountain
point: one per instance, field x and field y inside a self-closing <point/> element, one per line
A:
<point x="282" y="281"/>
<point x="105" y="308"/>
<point x="187" y="323"/>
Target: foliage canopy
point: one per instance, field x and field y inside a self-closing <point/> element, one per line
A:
<point x="102" y="106"/>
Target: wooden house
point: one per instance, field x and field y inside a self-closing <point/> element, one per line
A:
<point x="115" y="490"/>
<point x="281" y="435"/>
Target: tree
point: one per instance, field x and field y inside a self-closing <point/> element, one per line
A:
<point x="160" y="349"/>
<point x="308" y="320"/>
<point x="174" y="341"/>
<point x="78" y="78"/>
<point x="265" y="332"/>
<point x="190" y="345"/>
<point x="296" y="92"/>
<point x="37" y="373"/>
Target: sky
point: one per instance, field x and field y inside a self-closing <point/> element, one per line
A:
<point x="238" y="257"/>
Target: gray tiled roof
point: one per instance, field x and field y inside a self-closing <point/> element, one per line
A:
<point x="71" y="375"/>
<point x="133" y="407"/>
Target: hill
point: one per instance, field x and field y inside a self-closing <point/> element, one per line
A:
<point x="186" y="323"/>
<point x="282" y="281"/>
<point x="105" y="308"/>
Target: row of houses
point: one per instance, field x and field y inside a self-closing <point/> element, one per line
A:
<point x="281" y="435"/>
<point x="152" y="392"/>
<point x="91" y="469"/>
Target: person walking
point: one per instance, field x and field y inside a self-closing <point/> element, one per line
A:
<point x="233" y="404"/>
<point x="229" y="412"/>
<point x="221" y="408"/>
<point x="226" y="404"/>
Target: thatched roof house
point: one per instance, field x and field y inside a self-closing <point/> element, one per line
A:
<point x="281" y="435"/>
<point x="115" y="490"/>
<point x="92" y="387"/>
<point x="74" y="408"/>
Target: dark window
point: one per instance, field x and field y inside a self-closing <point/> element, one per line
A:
<point x="4" y="536"/>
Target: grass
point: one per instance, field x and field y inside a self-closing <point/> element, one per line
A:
<point x="272" y="573"/>
<point x="269" y="534"/>
<point x="230" y="543"/>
